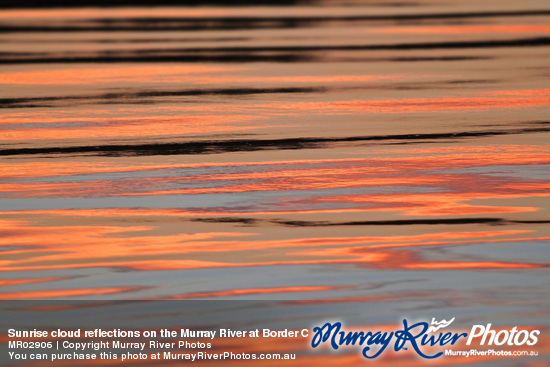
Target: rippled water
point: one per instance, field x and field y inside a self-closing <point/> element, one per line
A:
<point x="383" y="159"/>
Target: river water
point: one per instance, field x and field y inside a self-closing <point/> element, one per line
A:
<point x="362" y="161"/>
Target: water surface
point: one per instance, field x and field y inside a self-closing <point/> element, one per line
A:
<point x="366" y="161"/>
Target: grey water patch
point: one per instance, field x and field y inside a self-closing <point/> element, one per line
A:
<point x="363" y="280"/>
<point x="181" y="172"/>
<point x="250" y="200"/>
<point x="535" y="251"/>
<point x="8" y="248"/>
<point x="535" y="172"/>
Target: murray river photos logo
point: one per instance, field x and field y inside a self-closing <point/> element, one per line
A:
<point x="419" y="336"/>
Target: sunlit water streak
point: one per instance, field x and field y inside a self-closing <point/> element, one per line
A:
<point x="335" y="157"/>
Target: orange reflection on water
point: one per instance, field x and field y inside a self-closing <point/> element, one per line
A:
<point x="145" y="248"/>
<point x="54" y="247"/>
<point x="459" y="188"/>
<point x="10" y="282"/>
<point x="408" y="239"/>
<point x="361" y="250"/>
<point x="188" y="74"/>
<point x="59" y="293"/>
<point x="82" y="13"/>
<point x="436" y="204"/>
<point x="111" y="74"/>
<point x="487" y="101"/>
<point x="129" y="123"/>
<point x="98" y="188"/>
<point x="142" y="127"/>
<point x="463" y="29"/>
<point x="417" y="159"/>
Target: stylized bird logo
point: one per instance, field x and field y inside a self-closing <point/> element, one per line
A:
<point x="439" y="325"/>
